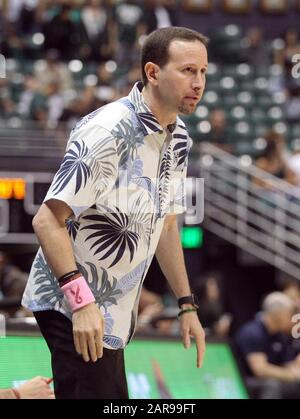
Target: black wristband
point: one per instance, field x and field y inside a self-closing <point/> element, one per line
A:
<point x="190" y="299"/>
<point x="67" y="276"/>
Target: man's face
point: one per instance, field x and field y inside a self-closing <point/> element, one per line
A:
<point x="283" y="319"/>
<point x="181" y="81"/>
<point x="218" y="119"/>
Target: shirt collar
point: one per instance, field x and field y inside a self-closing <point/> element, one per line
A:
<point x="148" y="120"/>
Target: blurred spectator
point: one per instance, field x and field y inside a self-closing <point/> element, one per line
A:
<point x="291" y="287"/>
<point x="150" y="306"/>
<point x="54" y="104"/>
<point x="294" y="163"/>
<point x="7" y="106"/>
<point x="105" y="91"/>
<point x="36" y="388"/>
<point x="292" y="106"/>
<point x="128" y="26"/>
<point x="256" y="51"/>
<point x="291" y="47"/>
<point x="272" y="367"/>
<point x="28" y="97"/>
<point x="274" y="160"/>
<point x="95" y="23"/>
<point x="27" y="20"/>
<point x="211" y="310"/>
<point x="53" y="71"/>
<point x="160" y="14"/>
<point x="60" y="33"/>
<point x="12" y="44"/>
<point x="45" y="105"/>
<point x="12" y="279"/>
<point x="83" y="105"/>
<point x="125" y="83"/>
<point x="218" y="134"/>
<point x="12" y="285"/>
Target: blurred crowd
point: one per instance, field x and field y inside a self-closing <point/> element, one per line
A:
<point x="70" y="57"/>
<point x="67" y="58"/>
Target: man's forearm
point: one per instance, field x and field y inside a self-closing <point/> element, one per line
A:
<point x="274" y="371"/>
<point x="55" y="242"/>
<point x="169" y="254"/>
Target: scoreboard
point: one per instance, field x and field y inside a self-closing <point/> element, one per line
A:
<point x="21" y="194"/>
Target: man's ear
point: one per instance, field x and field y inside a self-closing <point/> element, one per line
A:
<point x="152" y="71"/>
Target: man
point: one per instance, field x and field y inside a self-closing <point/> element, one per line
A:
<point x="264" y="343"/>
<point x="12" y="279"/>
<point x="218" y="135"/>
<point x="114" y="190"/>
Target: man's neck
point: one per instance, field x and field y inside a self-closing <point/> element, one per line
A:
<point x="160" y="112"/>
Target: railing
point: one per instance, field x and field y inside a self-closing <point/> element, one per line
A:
<point x="264" y="221"/>
<point x="32" y="141"/>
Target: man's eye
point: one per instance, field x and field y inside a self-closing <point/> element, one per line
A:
<point x="189" y="69"/>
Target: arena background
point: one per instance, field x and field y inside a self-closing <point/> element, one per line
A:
<point x="63" y="59"/>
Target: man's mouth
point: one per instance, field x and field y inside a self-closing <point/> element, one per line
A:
<point x="193" y="98"/>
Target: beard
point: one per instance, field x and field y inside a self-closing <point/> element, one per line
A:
<point x="186" y="109"/>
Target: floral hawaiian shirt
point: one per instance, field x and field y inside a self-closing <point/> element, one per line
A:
<point x="121" y="175"/>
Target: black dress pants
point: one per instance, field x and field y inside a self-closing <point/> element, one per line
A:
<point x="73" y="377"/>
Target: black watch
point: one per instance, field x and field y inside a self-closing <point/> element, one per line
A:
<point x="190" y="299"/>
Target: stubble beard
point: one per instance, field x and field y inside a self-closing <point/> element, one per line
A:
<point x="185" y="109"/>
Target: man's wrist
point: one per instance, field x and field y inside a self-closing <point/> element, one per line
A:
<point x="78" y="293"/>
<point x="186" y="310"/>
<point x="188" y="301"/>
<point x="185" y="306"/>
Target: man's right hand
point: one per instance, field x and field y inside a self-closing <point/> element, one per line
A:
<point x="88" y="329"/>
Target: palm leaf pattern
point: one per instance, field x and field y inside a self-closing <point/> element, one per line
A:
<point x="113" y="235"/>
<point x="109" y="323"/>
<point x="104" y="291"/>
<point x="164" y="180"/>
<point x="129" y="136"/>
<point x="105" y="294"/>
<point x="180" y="153"/>
<point x="103" y="164"/>
<point x="140" y="218"/>
<point x="127" y="283"/>
<point x="73" y="164"/>
<point x="102" y="153"/>
<point x="149" y="120"/>
<point x="133" y="170"/>
<point x="47" y="284"/>
<point x="72" y="228"/>
<point x="113" y="341"/>
<point x="147" y="184"/>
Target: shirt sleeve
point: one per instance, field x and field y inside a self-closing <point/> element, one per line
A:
<point x="88" y="171"/>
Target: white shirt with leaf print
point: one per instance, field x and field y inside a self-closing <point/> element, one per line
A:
<point x="121" y="175"/>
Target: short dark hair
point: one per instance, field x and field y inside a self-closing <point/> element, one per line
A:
<point x="156" y="45"/>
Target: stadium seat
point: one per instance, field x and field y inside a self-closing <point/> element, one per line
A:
<point x="203" y="6"/>
<point x="237" y="6"/>
<point x="274" y="6"/>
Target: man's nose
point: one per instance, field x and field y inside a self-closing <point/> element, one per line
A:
<point x="198" y="83"/>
